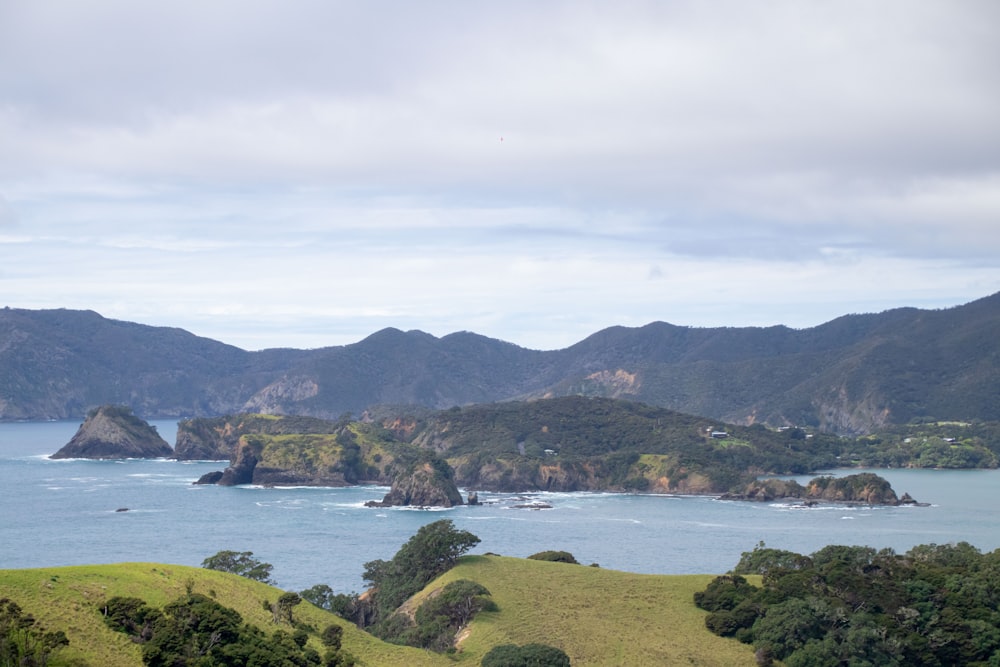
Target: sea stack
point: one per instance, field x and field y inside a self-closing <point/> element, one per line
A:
<point x="113" y="432"/>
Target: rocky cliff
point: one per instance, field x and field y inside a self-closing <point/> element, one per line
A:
<point x="113" y="432"/>
<point x="423" y="486"/>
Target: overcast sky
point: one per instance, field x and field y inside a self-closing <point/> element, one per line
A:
<point x="302" y="174"/>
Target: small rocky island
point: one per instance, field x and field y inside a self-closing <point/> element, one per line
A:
<point x="114" y="432"/>
<point x="423" y="485"/>
<point x="862" y="489"/>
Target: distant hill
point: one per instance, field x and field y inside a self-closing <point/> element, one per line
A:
<point x="854" y="374"/>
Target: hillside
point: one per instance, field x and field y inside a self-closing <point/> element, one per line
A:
<point x="597" y="616"/>
<point x="855" y="374"/>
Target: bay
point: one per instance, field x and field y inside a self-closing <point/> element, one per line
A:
<point x="65" y="512"/>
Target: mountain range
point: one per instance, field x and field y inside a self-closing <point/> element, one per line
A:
<point x="852" y="375"/>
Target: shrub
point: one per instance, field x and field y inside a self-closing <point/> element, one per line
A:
<point x="529" y="655"/>
<point x="555" y="557"/>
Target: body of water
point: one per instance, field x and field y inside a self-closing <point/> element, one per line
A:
<point x="65" y="513"/>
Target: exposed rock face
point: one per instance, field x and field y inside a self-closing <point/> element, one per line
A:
<point x="424" y="487"/>
<point x="242" y="468"/>
<point x="863" y="488"/>
<point x="113" y="432"/>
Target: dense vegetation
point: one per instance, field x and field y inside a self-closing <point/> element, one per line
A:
<point x="579" y="443"/>
<point x="196" y="631"/>
<point x="852" y="605"/>
<point x="432" y="551"/>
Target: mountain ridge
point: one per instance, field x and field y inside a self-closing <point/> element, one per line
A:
<point x="852" y="374"/>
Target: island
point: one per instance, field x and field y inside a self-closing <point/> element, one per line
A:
<point x="114" y="432"/>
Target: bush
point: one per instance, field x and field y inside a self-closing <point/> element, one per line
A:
<point x="555" y="557"/>
<point x="529" y="655"/>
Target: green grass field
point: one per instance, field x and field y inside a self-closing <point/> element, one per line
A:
<point x="599" y="617"/>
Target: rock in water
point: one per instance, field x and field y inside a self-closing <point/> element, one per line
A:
<point x="424" y="486"/>
<point x="113" y="432"/>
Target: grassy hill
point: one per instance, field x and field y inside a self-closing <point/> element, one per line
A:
<point x="599" y="617"/>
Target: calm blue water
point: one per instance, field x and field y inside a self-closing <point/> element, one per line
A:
<point x="63" y="513"/>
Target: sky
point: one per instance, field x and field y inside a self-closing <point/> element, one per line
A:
<point x="303" y="174"/>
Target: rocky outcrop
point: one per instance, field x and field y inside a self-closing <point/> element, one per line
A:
<point x="424" y="486"/>
<point x="241" y="470"/>
<point x="113" y="432"/>
<point x="862" y="488"/>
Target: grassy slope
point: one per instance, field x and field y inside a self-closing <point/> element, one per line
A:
<point x="67" y="598"/>
<point x="599" y="617"/>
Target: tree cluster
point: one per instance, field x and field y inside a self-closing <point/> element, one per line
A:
<point x="242" y="563"/>
<point x="196" y="631"/>
<point x="853" y="605"/>
<point x="438" y="620"/>
<point x="432" y="551"/>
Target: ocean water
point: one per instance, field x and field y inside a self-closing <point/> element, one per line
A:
<point x="65" y="513"/>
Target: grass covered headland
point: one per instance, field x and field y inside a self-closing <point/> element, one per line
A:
<point x="597" y="616"/>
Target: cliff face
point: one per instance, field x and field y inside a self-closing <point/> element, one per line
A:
<point x="113" y="432"/>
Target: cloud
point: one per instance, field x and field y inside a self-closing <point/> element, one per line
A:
<point x="8" y="218"/>
<point x="352" y="151"/>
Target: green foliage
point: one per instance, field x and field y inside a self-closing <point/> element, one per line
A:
<point x="196" y="631"/>
<point x="764" y="561"/>
<point x="332" y="636"/>
<point x="282" y="609"/>
<point x="555" y="556"/>
<point x="433" y="550"/>
<point x="599" y="443"/>
<point x="529" y="655"/>
<point x="320" y="595"/>
<point x="855" y="605"/>
<point x="131" y="616"/>
<point x="441" y="616"/>
<point x="23" y="643"/>
<point x="242" y="563"/>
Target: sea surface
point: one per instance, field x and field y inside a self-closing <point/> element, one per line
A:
<point x="65" y="513"/>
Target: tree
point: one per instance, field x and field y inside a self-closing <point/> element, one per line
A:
<point x="432" y="551"/>
<point x="242" y="563"/>
<point x="282" y="609"/>
<point x="319" y="595"/>
<point x="23" y="643"/>
<point x="529" y="655"/>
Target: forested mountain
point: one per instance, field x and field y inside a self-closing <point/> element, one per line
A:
<point x="854" y="374"/>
